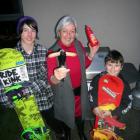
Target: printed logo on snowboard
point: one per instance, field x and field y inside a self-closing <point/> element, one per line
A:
<point x="14" y="75"/>
<point x="12" y="67"/>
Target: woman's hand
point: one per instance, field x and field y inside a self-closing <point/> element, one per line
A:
<point x="61" y="73"/>
<point x="93" y="51"/>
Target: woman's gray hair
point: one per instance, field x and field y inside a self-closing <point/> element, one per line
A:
<point x="63" y="21"/>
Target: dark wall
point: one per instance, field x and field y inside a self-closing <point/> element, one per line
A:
<point x="10" y="11"/>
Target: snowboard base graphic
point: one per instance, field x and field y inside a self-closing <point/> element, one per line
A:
<point x="13" y="76"/>
<point x="109" y="96"/>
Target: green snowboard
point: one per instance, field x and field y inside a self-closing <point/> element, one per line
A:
<point x="13" y="78"/>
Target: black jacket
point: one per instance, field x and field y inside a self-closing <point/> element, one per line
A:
<point x="125" y="101"/>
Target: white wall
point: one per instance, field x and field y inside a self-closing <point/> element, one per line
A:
<point x="115" y="22"/>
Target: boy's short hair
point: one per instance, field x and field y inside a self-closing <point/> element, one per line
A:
<point x="30" y="21"/>
<point x="115" y="57"/>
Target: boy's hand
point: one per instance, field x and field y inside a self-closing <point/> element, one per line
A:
<point x="106" y="113"/>
<point x="98" y="112"/>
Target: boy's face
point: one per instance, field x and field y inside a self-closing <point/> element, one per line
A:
<point x="113" y="68"/>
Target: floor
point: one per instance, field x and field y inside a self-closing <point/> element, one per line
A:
<point x="10" y="128"/>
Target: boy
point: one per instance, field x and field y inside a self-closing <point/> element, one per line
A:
<point x="109" y="91"/>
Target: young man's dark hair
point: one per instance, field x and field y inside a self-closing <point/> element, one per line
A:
<point x="29" y="21"/>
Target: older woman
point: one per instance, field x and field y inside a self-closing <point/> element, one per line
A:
<point x="71" y="103"/>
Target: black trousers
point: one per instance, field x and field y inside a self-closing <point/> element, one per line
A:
<point x="54" y="124"/>
<point x="80" y="128"/>
<point x="62" y="131"/>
